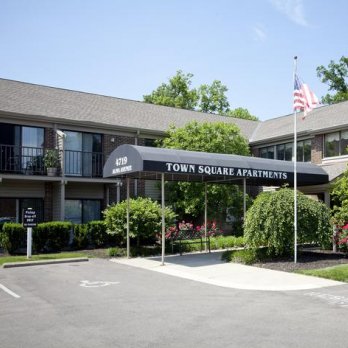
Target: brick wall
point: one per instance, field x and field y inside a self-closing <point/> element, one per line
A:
<point x="111" y="142"/>
<point x="317" y="149"/>
<point x="50" y="138"/>
<point x="48" y="202"/>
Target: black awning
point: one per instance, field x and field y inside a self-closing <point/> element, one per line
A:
<point x="178" y="165"/>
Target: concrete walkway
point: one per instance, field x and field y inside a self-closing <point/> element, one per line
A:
<point x="208" y="268"/>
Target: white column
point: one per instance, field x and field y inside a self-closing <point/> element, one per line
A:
<point x="244" y="200"/>
<point x="163" y="220"/>
<point x="128" y="242"/>
<point x="205" y="216"/>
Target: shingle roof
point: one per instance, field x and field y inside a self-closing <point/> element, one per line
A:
<point x="334" y="170"/>
<point x="319" y="120"/>
<point x="66" y="106"/>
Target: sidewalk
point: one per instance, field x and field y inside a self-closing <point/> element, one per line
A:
<point x="208" y="268"/>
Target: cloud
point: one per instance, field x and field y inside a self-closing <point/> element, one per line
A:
<point x="259" y="33"/>
<point x="293" y="9"/>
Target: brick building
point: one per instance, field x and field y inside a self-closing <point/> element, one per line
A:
<point x="85" y="128"/>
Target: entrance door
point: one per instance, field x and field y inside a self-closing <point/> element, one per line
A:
<point x="9" y="147"/>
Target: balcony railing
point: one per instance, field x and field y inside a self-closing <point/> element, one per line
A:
<point x="21" y="160"/>
<point x="82" y="163"/>
<point x="30" y="161"/>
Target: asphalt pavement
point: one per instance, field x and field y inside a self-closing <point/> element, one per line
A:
<point x="106" y="304"/>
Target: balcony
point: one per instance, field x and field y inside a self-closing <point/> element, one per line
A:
<point x="30" y="161"/>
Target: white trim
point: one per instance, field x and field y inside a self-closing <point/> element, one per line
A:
<point x="334" y="159"/>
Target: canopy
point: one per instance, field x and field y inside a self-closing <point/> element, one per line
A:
<point x="151" y="163"/>
<point x="178" y="165"/>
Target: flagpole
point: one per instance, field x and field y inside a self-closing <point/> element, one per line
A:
<point x="295" y="170"/>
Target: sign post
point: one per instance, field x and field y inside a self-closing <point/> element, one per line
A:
<point x="29" y="221"/>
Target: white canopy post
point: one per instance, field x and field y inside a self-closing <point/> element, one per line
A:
<point x="163" y="221"/>
<point x="205" y="215"/>
<point x="244" y="199"/>
<point x="128" y="244"/>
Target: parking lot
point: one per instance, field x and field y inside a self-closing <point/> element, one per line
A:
<point x="105" y="304"/>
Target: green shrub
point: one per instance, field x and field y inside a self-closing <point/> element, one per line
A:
<point x="117" y="252"/>
<point x="80" y="240"/>
<point x="220" y="242"/>
<point x="270" y="222"/>
<point x="224" y="242"/>
<point x="12" y="237"/>
<point x="97" y="233"/>
<point x="51" y="236"/>
<point x="245" y="256"/>
<point x="145" y="219"/>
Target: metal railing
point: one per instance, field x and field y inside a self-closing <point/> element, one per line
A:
<point x="82" y="163"/>
<point x="21" y="160"/>
<point x="30" y="161"/>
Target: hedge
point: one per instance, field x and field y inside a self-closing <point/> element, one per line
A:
<point x="12" y="237"/>
<point x="51" y="236"/>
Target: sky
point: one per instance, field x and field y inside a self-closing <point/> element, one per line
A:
<point x="127" y="48"/>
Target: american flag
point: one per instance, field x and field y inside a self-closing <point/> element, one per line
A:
<point x="304" y="99"/>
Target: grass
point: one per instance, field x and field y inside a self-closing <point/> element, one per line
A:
<point x="339" y="273"/>
<point x="63" y="255"/>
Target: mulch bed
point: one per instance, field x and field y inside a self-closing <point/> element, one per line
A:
<point x="307" y="259"/>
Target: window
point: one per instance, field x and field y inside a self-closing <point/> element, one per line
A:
<point x="150" y="142"/>
<point x="336" y="144"/>
<point x="283" y="152"/>
<point x="304" y="151"/>
<point x="288" y="151"/>
<point x="344" y="143"/>
<point x="82" y="210"/>
<point x="20" y="147"/>
<point x="83" y="154"/>
<point x="332" y="144"/>
<point x="32" y="148"/>
<point x="13" y="207"/>
<point x="263" y="152"/>
<point x="267" y="152"/>
<point x="307" y="151"/>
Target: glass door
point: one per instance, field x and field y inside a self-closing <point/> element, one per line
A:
<point x="73" y="153"/>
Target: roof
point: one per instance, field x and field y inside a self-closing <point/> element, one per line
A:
<point x="68" y="106"/>
<point x="320" y="120"/>
<point x="178" y="165"/>
<point x="334" y="170"/>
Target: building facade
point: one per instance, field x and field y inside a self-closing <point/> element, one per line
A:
<point x="82" y="129"/>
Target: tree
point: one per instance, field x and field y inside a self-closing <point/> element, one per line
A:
<point x="175" y="93"/>
<point x="144" y="219"/>
<point x="241" y="113"/>
<point x="335" y="75"/>
<point x="219" y="137"/>
<point x="206" y="98"/>
<point x="212" y="98"/>
<point x="269" y="222"/>
<point x="339" y="197"/>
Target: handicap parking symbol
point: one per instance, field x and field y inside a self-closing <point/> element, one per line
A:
<point x="96" y="283"/>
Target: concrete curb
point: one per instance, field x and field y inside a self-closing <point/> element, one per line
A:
<point x="43" y="262"/>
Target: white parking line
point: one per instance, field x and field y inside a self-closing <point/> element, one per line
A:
<point x="3" y="287"/>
